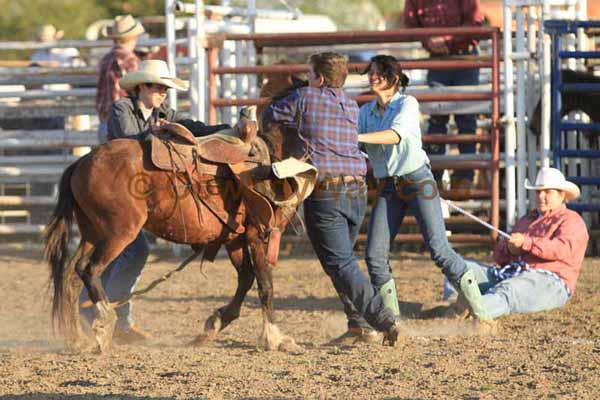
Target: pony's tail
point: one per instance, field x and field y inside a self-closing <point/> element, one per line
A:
<point x="57" y="235"/>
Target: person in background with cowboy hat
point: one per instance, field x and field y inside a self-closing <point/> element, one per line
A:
<point x="134" y="116"/>
<point x="54" y="57"/>
<point x="539" y="265"/>
<point x="120" y="60"/>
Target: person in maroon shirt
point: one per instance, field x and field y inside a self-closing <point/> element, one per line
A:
<point x="439" y="14"/>
<point x="120" y="60"/>
<point x="537" y="268"/>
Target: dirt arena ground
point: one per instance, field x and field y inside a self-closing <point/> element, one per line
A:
<point x="548" y="355"/>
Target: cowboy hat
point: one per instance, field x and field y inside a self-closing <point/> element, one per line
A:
<point x="152" y="71"/>
<point x="48" y="33"/>
<point x="123" y="26"/>
<point x="552" y="178"/>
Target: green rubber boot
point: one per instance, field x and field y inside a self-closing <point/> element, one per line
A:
<point x="470" y="289"/>
<point x="390" y="297"/>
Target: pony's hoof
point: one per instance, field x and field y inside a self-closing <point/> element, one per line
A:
<point x="288" y="345"/>
<point x="78" y="346"/>
<point x="104" y="326"/>
<point x="213" y="323"/>
<point x="202" y="339"/>
<point x="212" y="326"/>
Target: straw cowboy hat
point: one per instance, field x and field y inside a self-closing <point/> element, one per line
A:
<point x="152" y="71"/>
<point x="48" y="33"/>
<point x="123" y="26"/>
<point x="552" y="178"/>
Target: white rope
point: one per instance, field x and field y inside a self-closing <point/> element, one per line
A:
<point x="468" y="214"/>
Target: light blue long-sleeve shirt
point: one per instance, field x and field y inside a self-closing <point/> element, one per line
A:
<point x="402" y="116"/>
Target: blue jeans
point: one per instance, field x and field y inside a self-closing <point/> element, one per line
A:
<point x="333" y="217"/>
<point x="466" y="123"/>
<point x="102" y="132"/>
<point x="119" y="279"/>
<point x="530" y="291"/>
<point x="417" y="192"/>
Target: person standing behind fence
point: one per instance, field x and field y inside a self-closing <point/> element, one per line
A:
<point x="120" y="60"/>
<point x="53" y="57"/>
<point x="448" y="13"/>
<point x="389" y="127"/>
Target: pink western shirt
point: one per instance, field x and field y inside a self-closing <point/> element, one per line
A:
<point x="554" y="242"/>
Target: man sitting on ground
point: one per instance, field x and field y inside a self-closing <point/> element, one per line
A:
<point x="539" y="265"/>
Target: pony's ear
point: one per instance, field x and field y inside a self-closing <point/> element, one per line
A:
<point x="298" y="82"/>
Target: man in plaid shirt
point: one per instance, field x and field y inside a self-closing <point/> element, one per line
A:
<point x="327" y="120"/>
<point x="120" y="60"/>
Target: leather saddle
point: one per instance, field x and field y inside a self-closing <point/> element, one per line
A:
<point x="174" y="148"/>
<point x="244" y="159"/>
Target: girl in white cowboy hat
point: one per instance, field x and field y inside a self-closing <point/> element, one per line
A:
<point x="539" y="265"/>
<point x="134" y="116"/>
<point x="143" y="109"/>
<point x="120" y="60"/>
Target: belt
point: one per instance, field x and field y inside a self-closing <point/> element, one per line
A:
<point x="336" y="180"/>
<point x="391" y="179"/>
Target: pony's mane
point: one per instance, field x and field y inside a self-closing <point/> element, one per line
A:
<point x="272" y="133"/>
<point x="297" y="83"/>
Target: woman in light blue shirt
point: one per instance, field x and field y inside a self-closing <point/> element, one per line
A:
<point x="389" y="127"/>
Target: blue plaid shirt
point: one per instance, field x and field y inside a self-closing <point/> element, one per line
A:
<point x="328" y="121"/>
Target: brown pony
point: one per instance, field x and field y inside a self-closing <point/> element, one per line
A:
<point x="115" y="191"/>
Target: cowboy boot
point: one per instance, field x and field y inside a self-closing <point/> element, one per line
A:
<point x="390" y="297"/>
<point x="470" y="289"/>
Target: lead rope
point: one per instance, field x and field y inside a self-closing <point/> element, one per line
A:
<point x="152" y="285"/>
<point x="156" y="282"/>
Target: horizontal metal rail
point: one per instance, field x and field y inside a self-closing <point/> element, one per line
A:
<point x="425" y="97"/>
<point x="584" y="207"/>
<point x="448" y="63"/>
<point x="584" y="180"/>
<point x="27" y="201"/>
<point x="49" y="93"/>
<point x="577" y="153"/>
<point x="44" y="139"/>
<point x="579" y="87"/>
<point x="352" y="37"/>
<point x="32" y="160"/>
<point x="579" y="54"/>
<point x="579" y="126"/>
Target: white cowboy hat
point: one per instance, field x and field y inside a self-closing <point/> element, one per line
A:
<point x="552" y="178"/>
<point x="48" y="33"/>
<point x="152" y="71"/>
<point x="123" y="26"/>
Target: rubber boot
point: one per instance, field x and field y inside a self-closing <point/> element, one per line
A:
<point x="390" y="297"/>
<point x="470" y="289"/>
